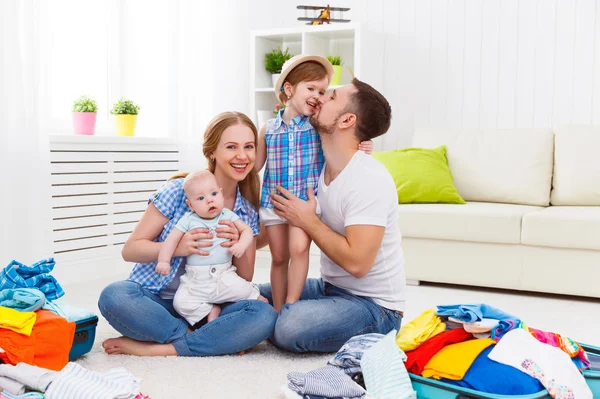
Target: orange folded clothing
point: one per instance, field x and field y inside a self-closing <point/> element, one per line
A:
<point x="48" y="346"/>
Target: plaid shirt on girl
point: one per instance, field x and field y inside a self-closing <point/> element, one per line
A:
<point x="294" y="157"/>
<point x="169" y="199"/>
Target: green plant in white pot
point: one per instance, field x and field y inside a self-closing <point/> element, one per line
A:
<point x="274" y="62"/>
<point x="336" y="61"/>
<point x="125" y="112"/>
<point x="84" y="116"/>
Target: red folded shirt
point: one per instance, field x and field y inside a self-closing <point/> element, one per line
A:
<point x="418" y="358"/>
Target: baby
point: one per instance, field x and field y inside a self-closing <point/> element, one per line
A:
<point x="208" y="280"/>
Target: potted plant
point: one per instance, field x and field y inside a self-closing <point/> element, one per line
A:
<point x="336" y="61"/>
<point x="84" y="116"/>
<point x="274" y="61"/>
<point x="125" y="112"/>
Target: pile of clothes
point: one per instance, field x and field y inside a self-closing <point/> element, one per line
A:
<point x="474" y="346"/>
<point x="366" y="366"/>
<point x="480" y="347"/>
<point x="36" y="336"/>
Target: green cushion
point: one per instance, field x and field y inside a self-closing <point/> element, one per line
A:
<point x="421" y="175"/>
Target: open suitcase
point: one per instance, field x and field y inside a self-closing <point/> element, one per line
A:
<point x="428" y="388"/>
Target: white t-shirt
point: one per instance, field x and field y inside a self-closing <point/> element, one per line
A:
<point x="364" y="193"/>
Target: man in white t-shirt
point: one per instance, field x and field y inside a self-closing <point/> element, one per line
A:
<point x="362" y="266"/>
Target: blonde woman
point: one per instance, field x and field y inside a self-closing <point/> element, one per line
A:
<point x="141" y="308"/>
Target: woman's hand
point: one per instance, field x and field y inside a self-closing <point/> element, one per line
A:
<point x="190" y="245"/>
<point x="228" y="231"/>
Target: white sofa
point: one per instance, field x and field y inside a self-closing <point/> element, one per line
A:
<point x="532" y="218"/>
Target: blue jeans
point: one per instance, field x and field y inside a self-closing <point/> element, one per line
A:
<point x="326" y="316"/>
<point x="138" y="314"/>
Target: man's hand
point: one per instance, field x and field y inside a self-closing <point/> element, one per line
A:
<point x="298" y="213"/>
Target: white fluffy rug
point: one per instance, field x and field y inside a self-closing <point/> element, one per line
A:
<point x="262" y="372"/>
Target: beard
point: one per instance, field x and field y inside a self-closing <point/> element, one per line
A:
<point x="322" y="128"/>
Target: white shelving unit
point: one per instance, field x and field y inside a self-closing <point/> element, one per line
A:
<point x="361" y="51"/>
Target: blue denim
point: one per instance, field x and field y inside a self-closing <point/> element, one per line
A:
<point x="326" y="317"/>
<point x="141" y="315"/>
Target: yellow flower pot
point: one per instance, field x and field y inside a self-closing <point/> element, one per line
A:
<point x="125" y="124"/>
<point x="337" y="75"/>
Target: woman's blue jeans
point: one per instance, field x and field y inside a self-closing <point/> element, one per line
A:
<point x="326" y="316"/>
<point x="138" y="314"/>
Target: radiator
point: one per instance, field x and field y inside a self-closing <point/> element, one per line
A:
<point x="100" y="189"/>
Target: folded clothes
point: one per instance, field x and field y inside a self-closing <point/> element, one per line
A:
<point x="418" y="358"/>
<point x="454" y="360"/>
<point x="486" y="375"/>
<point x="18" y="275"/>
<point x="469" y="313"/>
<point x="419" y="330"/>
<point x="349" y="355"/>
<point x="505" y="326"/>
<point x="22" y="299"/>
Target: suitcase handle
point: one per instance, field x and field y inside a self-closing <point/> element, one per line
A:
<point x="80" y="337"/>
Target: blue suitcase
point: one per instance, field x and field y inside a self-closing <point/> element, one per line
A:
<point x="428" y="388"/>
<point x="85" y="326"/>
<point x="85" y="333"/>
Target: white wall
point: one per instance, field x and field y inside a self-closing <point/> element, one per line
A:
<point x="463" y="63"/>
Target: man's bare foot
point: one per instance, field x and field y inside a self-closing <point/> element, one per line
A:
<point x="128" y="346"/>
<point x="262" y="298"/>
<point x="215" y="311"/>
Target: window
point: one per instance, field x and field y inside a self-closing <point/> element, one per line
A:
<point x="107" y="50"/>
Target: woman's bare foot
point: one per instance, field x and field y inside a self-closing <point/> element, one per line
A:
<point x="262" y="298"/>
<point x="128" y="346"/>
<point x="215" y="311"/>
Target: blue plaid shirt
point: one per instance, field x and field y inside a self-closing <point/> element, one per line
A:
<point x="169" y="199"/>
<point x="294" y="158"/>
<point x="18" y="275"/>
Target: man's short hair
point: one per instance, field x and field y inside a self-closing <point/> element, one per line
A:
<point x="373" y="112"/>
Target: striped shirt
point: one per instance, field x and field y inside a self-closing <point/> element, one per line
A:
<point x="294" y="157"/>
<point x="169" y="199"/>
<point x="75" y="382"/>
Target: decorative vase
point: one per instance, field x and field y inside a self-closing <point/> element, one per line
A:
<point x="337" y="75"/>
<point x="125" y="124"/>
<point x="84" y="123"/>
<point x="274" y="78"/>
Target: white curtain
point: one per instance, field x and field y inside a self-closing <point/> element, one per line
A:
<point x="24" y="157"/>
<point x="193" y="71"/>
<point x="209" y="69"/>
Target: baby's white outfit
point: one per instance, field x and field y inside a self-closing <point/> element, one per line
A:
<point x="209" y="279"/>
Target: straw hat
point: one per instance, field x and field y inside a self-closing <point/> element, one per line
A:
<point x="297" y="60"/>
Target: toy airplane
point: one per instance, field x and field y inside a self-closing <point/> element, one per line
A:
<point x="324" y="15"/>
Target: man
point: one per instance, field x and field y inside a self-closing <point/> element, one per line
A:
<point x="362" y="266"/>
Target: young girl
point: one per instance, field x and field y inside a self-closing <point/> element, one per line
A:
<point x="291" y="148"/>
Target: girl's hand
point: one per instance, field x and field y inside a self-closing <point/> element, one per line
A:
<point x="228" y="231"/>
<point x="366" y="146"/>
<point x="190" y="245"/>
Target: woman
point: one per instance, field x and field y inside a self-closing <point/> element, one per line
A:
<point x="141" y="308"/>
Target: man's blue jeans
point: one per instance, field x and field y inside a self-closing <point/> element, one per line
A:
<point x="326" y="316"/>
<point x="143" y="316"/>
